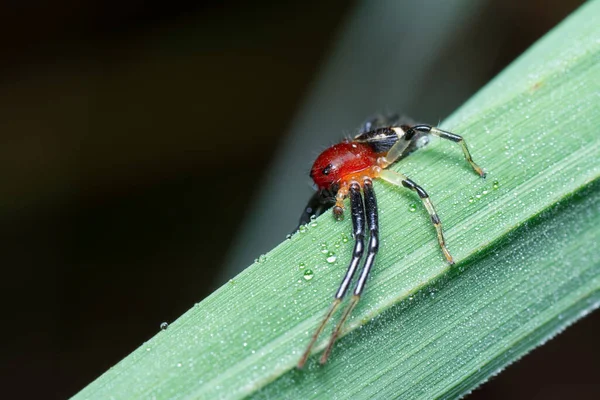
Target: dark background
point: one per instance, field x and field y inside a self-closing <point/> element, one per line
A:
<point x="135" y="138"/>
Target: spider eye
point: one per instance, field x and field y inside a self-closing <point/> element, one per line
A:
<point x="327" y="169"/>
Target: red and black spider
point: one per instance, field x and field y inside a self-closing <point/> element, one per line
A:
<point x="346" y="169"/>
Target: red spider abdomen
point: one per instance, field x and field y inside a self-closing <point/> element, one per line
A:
<point x="342" y="161"/>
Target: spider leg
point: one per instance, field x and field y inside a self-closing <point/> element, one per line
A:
<point x="315" y="206"/>
<point x="358" y="231"/>
<point x="373" y="247"/>
<point x="399" y="179"/>
<point x="398" y="149"/>
<point x="449" y="136"/>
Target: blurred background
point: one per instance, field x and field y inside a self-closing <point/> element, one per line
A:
<point x="149" y="151"/>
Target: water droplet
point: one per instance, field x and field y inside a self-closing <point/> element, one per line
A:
<point x="262" y="258"/>
<point x="231" y="282"/>
<point x="178" y="365"/>
<point x="302" y="229"/>
<point x="313" y="217"/>
<point x="164" y="326"/>
<point x="308" y="275"/>
<point x="324" y="248"/>
<point x="314" y="224"/>
<point x="331" y="257"/>
<point x="245" y="344"/>
<point x="412" y="207"/>
<point x="484" y="192"/>
<point x="478" y="196"/>
<point x="344" y="238"/>
<point x="496" y="185"/>
<point x="288" y="236"/>
<point x="471" y="199"/>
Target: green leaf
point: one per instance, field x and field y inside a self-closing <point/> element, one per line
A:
<point x="526" y="241"/>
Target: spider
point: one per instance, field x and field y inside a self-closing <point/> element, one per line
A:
<point x="348" y="168"/>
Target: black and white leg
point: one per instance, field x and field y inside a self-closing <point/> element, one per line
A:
<point x="373" y="247"/>
<point x="316" y="206"/>
<point x="399" y="179"/>
<point x="428" y="129"/>
<point x="358" y="231"/>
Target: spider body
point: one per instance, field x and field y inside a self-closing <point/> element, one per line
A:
<point x="346" y="170"/>
<point x="340" y="162"/>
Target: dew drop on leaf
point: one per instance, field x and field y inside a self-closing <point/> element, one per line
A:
<point x="308" y="275"/>
<point x="324" y="249"/>
<point x="331" y="257"/>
